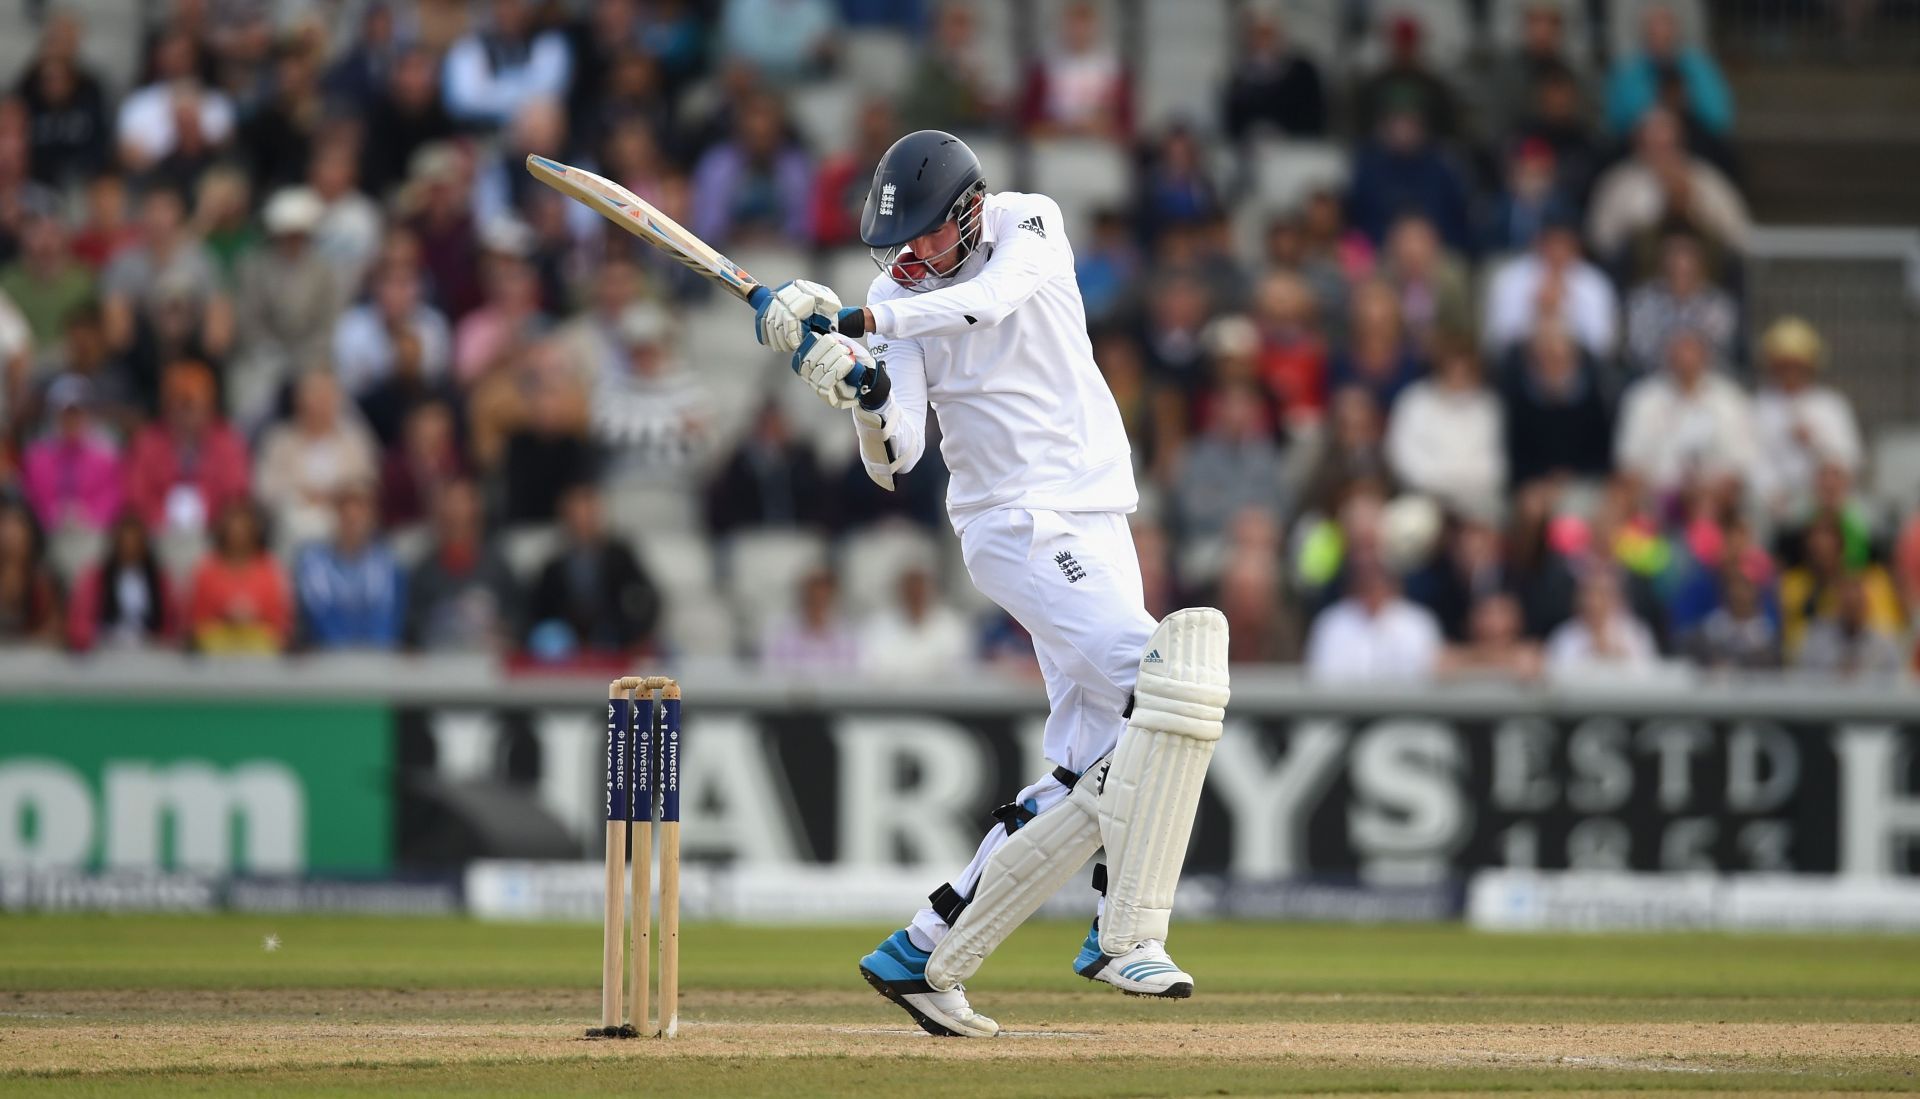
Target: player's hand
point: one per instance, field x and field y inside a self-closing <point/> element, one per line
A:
<point x="795" y="309"/>
<point x="841" y="370"/>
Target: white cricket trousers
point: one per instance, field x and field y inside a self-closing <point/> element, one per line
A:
<point x="1072" y="580"/>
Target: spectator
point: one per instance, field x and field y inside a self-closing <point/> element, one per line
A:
<point x="1232" y="466"/>
<point x="45" y="282"/>
<point x="754" y="185"/>
<point x="1663" y="183"/>
<point x="1906" y="561"/>
<point x="1272" y="86"/>
<point x="1078" y="87"/>
<point x="438" y="192"/>
<point x="503" y="190"/>
<point x="772" y="479"/>
<point x="72" y="476"/>
<point x="1814" y="592"/>
<point x="1687" y="421"/>
<point x="815" y="638"/>
<point x="1532" y="198"/>
<point x="1175" y="187"/>
<point x="106" y="232"/>
<point x="1558" y="418"/>
<point x="1107" y="267"/>
<point x="788" y="40"/>
<point x="29" y="594"/>
<point x="1292" y="355"/>
<point x="1445" y="436"/>
<point x="1510" y="84"/>
<point x="1373" y="634"/>
<point x="1799" y="427"/>
<point x="124" y="601"/>
<point x="529" y="428"/>
<point x="1495" y="647"/>
<point x="239" y="601"/>
<point x="1557" y="117"/>
<point x="1738" y="635"/>
<point x="1681" y="298"/>
<point x="223" y="218"/>
<point x="840" y="188"/>
<point x="1469" y="567"/>
<point x="1401" y="170"/>
<point x="407" y="116"/>
<point x="83" y="354"/>
<point x="374" y="51"/>
<point x="352" y="593"/>
<point x="19" y="193"/>
<point x="1551" y="282"/>
<point x="605" y="36"/>
<point x="1379" y="357"/>
<point x="152" y="118"/>
<point x="289" y="300"/>
<point x="425" y="459"/>
<point x="1315" y="244"/>
<point x="593" y="597"/>
<point x="489" y="72"/>
<point x="1176" y="315"/>
<point x="306" y="463"/>
<point x="651" y="416"/>
<point x="278" y="137"/>
<point x="509" y="318"/>
<point x="1661" y="67"/>
<point x="461" y="597"/>
<point x="1247" y="588"/>
<point x="1430" y="281"/>
<point x="169" y="266"/>
<point x="67" y="107"/>
<point x="348" y="233"/>
<point x="1352" y="451"/>
<point x="1406" y="84"/>
<point x="367" y="338"/>
<point x="1604" y="636"/>
<point x="948" y="88"/>
<point x="189" y="464"/>
<point x="1851" y="643"/>
<point x="917" y="637"/>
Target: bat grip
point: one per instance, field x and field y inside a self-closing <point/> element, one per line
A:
<point x="759" y="296"/>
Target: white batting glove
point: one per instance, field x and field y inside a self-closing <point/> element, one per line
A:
<point x="839" y="369"/>
<point x="796" y="308"/>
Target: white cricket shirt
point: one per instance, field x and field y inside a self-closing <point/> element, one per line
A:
<point x="1001" y="355"/>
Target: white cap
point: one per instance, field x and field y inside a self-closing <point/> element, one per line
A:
<point x="293" y="210"/>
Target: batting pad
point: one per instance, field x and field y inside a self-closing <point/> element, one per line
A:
<point x="1019" y="877"/>
<point x="1152" y="787"/>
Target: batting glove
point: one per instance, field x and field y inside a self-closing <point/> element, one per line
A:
<point x="841" y="370"/>
<point x="795" y="309"/>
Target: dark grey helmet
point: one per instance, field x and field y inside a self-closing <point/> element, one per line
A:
<point x="927" y="178"/>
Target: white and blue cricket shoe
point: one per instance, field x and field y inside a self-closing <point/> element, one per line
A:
<point x="897" y="969"/>
<point x="1146" y="970"/>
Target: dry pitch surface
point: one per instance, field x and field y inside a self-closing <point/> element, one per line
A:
<point x="180" y="1005"/>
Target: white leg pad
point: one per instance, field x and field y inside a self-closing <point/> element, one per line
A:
<point x="1152" y="787"/>
<point x="1030" y="867"/>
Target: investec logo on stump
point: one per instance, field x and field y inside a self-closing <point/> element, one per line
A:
<point x="180" y="815"/>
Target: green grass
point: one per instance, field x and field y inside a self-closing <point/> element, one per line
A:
<point x="63" y="979"/>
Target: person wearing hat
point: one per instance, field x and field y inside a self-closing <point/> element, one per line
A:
<point x="72" y="475"/>
<point x="1801" y="426"/>
<point x="289" y="298"/>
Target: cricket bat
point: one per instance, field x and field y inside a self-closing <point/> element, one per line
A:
<point x="634" y="214"/>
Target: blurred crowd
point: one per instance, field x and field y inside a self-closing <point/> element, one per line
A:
<point x="296" y="357"/>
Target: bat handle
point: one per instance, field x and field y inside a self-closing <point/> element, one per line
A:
<point x="759" y="296"/>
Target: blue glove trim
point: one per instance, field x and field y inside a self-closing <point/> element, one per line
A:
<point x="758" y="297"/>
<point x="806" y="344"/>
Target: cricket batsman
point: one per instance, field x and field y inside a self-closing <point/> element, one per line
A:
<point x="976" y="315"/>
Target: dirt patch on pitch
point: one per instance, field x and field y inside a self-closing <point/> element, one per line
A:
<point x="81" y="1032"/>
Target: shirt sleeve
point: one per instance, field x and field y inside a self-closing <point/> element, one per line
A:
<point x="897" y="442"/>
<point x="1027" y="254"/>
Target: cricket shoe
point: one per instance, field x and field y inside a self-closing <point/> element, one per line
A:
<point x="1146" y="970"/>
<point x="897" y="969"/>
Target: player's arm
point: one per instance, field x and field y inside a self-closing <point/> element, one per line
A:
<point x="887" y="396"/>
<point x="892" y="422"/>
<point x="1023" y="259"/>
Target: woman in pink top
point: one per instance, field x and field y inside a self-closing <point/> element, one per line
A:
<point x="73" y="475"/>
